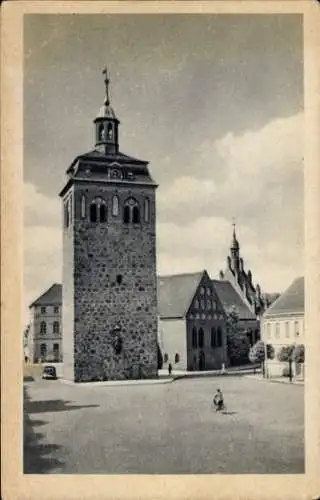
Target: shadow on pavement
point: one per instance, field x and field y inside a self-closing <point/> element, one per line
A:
<point x="52" y="405"/>
<point x="40" y="457"/>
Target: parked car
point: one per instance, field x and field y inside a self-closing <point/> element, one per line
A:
<point x="49" y="373"/>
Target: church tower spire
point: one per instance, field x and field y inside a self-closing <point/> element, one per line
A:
<point x="235" y="250"/>
<point x="106" y="123"/>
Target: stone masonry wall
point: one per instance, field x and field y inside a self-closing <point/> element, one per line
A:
<point x="114" y="275"/>
<point x="68" y="302"/>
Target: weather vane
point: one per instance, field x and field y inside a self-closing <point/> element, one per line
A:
<point x="106" y="81"/>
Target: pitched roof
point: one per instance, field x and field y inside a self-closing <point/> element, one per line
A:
<point x="176" y="292"/>
<point x="52" y="296"/>
<point x="291" y="301"/>
<point x="229" y="298"/>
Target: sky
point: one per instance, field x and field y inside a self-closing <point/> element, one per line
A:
<point x="213" y="102"/>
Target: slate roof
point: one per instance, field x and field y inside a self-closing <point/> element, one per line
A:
<point x="229" y="298"/>
<point x="176" y="292"/>
<point x="291" y="301"/>
<point x="52" y="296"/>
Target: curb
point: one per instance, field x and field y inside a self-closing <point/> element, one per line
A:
<point x="118" y="383"/>
<point x="275" y="381"/>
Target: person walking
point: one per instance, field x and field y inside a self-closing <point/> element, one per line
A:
<point x="170" y="369"/>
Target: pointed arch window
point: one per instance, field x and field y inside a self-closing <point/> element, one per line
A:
<point x="201" y="338"/>
<point x="194" y="337"/>
<point x="43" y="327"/>
<point x="219" y="336"/>
<point x="213" y="337"/>
<point x="147" y="210"/>
<point x="115" y="205"/>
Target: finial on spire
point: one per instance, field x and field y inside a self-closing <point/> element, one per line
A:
<point x="106" y="81"/>
<point x="234" y="225"/>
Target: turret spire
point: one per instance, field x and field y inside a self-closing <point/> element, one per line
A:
<point x="107" y="82"/>
<point x="106" y="123"/>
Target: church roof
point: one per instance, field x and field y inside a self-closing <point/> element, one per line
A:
<point x="176" y="292"/>
<point x="51" y="296"/>
<point x="291" y="301"/>
<point x="230" y="298"/>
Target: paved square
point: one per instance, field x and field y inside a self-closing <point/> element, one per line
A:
<point x="165" y="428"/>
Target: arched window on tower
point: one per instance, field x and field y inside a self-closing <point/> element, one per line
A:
<point x="103" y="213"/>
<point x="83" y="206"/>
<point x="110" y="132"/>
<point x="131" y="212"/>
<point x="93" y="212"/>
<point x="126" y="214"/>
<point x="101" y="132"/>
<point x="147" y="210"/>
<point x="115" y="206"/>
<point x="135" y="215"/>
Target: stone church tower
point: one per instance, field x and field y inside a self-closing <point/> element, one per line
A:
<point x="109" y="261"/>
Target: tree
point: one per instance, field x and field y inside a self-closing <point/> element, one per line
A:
<point x="298" y="353"/>
<point x="257" y="353"/>
<point x="238" y="345"/>
<point x="285" y="355"/>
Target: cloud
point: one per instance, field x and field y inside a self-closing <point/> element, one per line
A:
<point x="256" y="177"/>
<point x="42" y="243"/>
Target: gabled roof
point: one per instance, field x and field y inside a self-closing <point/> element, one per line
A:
<point x="291" y="301"/>
<point x="175" y="293"/>
<point x="229" y="298"/>
<point x="52" y="296"/>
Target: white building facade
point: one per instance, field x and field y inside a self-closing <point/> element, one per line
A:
<point x="283" y="325"/>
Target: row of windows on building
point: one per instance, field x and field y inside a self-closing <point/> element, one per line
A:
<point x="273" y="330"/>
<point x="131" y="210"/>
<point x="55" y="327"/>
<point x="45" y="310"/>
<point x="44" y="351"/>
<point x="198" y="337"/>
<point x="176" y="358"/>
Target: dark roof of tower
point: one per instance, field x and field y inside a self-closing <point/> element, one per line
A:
<point x="51" y="296"/>
<point x="95" y="165"/>
<point x="234" y="242"/>
<point x="291" y="301"/>
<point x="176" y="292"/>
<point x="230" y="298"/>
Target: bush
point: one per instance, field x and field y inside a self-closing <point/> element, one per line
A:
<point x="285" y="371"/>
